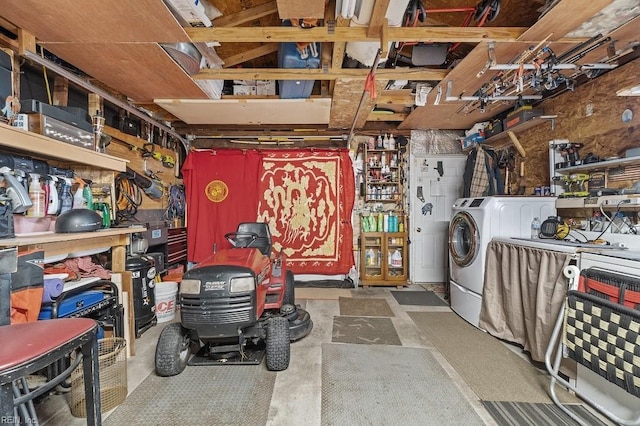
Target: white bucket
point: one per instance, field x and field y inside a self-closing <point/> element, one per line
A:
<point x="166" y="292"/>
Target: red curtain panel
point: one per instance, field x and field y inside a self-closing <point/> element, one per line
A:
<point x="221" y="188"/>
<point x="307" y="198"/>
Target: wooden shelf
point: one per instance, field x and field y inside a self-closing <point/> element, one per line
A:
<point x="601" y="165"/>
<point x="42" y="146"/>
<point x="56" y="244"/>
<point x="520" y="128"/>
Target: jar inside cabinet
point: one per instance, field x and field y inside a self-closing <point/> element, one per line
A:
<point x="372" y="265"/>
<point x="382" y="175"/>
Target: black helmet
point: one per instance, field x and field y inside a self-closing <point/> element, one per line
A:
<point x="78" y="220"/>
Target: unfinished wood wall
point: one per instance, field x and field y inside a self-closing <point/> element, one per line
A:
<point x="603" y="133"/>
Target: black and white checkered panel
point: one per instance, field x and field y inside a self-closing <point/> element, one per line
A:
<point x="604" y="337"/>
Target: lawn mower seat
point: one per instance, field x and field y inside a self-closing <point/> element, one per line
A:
<point x="263" y="242"/>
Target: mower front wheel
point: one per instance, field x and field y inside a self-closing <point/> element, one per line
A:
<point x="172" y="351"/>
<point x="278" y="345"/>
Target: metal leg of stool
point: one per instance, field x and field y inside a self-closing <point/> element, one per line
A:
<point x="26" y="410"/>
<point x="90" y="368"/>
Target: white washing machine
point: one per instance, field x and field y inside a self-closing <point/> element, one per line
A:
<point x="475" y="222"/>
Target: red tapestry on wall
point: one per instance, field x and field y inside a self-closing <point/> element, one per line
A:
<point x="307" y="198"/>
<point x="221" y="188"/>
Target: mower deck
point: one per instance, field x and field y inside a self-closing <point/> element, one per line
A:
<point x="252" y="355"/>
<point x="299" y="326"/>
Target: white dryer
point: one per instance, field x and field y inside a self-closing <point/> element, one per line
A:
<point x="475" y="222"/>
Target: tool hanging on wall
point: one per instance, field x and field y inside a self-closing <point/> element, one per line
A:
<point x="148" y="151"/>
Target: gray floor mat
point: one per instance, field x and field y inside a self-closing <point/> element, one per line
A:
<point x="211" y="395"/>
<point x="521" y="413"/>
<point x="492" y="370"/>
<point x="365" y="307"/>
<point x="364" y="330"/>
<point x="389" y="385"/>
<point x="418" y="298"/>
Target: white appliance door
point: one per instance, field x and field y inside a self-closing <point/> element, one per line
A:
<point x="464" y="239"/>
<point x="435" y="184"/>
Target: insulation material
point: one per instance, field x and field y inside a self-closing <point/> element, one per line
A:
<point x="428" y="142"/>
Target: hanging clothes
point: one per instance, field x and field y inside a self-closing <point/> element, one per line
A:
<point x="481" y="173"/>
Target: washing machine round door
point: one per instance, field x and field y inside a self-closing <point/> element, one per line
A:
<point x="464" y="241"/>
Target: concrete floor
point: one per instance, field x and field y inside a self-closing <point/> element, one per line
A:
<point x="304" y="405"/>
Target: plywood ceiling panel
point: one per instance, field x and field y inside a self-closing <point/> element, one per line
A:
<point x="95" y="21"/>
<point x="290" y="9"/>
<point x="141" y="71"/>
<point x="565" y="17"/>
<point x="347" y="94"/>
<point x="249" y="111"/>
<point x="452" y="114"/>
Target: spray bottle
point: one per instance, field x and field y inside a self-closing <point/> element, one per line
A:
<point x="36" y="194"/>
<point x="65" y="196"/>
<point x="53" y="200"/>
<point x="87" y="195"/>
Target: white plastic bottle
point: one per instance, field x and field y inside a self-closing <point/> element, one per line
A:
<point x="36" y="194"/>
<point x="535" y="228"/>
<point x="396" y="259"/>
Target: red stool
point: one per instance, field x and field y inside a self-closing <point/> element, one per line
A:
<point x="28" y="348"/>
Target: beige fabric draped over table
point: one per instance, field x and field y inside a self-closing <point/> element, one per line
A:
<point x="523" y="291"/>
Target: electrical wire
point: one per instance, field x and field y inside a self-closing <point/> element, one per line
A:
<point x="128" y="197"/>
<point x="46" y="79"/>
<point x="630" y="229"/>
<point x="610" y="221"/>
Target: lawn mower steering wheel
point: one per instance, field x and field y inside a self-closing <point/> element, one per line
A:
<point x="241" y="239"/>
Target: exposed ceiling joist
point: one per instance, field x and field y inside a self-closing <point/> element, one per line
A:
<point x="398" y="116"/>
<point x="248" y="15"/>
<point x="247" y="55"/>
<point x="426" y="74"/>
<point x="322" y="34"/>
<point x="378" y="19"/>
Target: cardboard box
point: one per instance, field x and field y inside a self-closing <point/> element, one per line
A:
<point x="265" y="87"/>
<point x="469" y="141"/>
<point x="242" y="90"/>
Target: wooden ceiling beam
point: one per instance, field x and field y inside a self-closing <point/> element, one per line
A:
<point x="248" y="15"/>
<point x="346" y="34"/>
<point x="337" y="54"/>
<point x="396" y="97"/>
<point x="424" y="74"/>
<point x="247" y="55"/>
<point x="398" y="116"/>
<point x="378" y="19"/>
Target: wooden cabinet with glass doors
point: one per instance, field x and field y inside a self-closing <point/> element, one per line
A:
<point x="383" y="259"/>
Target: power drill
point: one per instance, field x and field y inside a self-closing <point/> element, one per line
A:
<point x="575" y="184"/>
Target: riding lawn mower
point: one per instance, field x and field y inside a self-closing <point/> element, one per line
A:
<point x="236" y="306"/>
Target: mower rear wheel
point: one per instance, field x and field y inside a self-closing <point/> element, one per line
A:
<point x="278" y="345"/>
<point x="172" y="350"/>
<point x="290" y="289"/>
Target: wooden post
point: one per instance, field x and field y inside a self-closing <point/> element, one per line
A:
<point x="60" y="91"/>
<point x="95" y="104"/>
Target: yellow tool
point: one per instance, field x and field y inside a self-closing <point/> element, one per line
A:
<point x="575" y="184"/>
